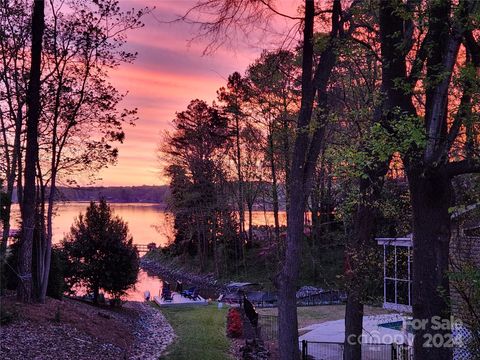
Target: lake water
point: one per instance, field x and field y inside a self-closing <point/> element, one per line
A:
<point x="147" y="223"/>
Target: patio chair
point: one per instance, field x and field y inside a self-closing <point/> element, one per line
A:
<point x="194" y="295"/>
<point x="188" y="293"/>
<point x="167" y="294"/>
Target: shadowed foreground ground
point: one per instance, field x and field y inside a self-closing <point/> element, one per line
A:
<point x="70" y="329"/>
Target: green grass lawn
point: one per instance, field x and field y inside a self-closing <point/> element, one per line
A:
<point x="200" y="333"/>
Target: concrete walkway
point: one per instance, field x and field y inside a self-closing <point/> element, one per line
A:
<point x="334" y="332"/>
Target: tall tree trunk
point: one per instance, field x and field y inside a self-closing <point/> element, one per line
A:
<point x="45" y="250"/>
<point x="19" y="180"/>
<point x="39" y="237"/>
<point x="326" y="205"/>
<point x="250" y="221"/>
<point x="358" y="245"/>
<point x="287" y="305"/>
<point x="316" y="199"/>
<point x="306" y="150"/>
<point x="214" y="246"/>
<point x="11" y="180"/>
<point x="286" y="153"/>
<point x="8" y="209"/>
<point x="241" y="208"/>
<point x="45" y="245"/>
<point x="288" y="276"/>
<point x="241" y="197"/>
<point x="353" y="326"/>
<point x="6" y="223"/>
<point x="274" y="190"/>
<point x="24" y="290"/>
<point x="431" y="196"/>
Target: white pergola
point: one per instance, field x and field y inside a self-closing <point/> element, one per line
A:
<point x="397" y="273"/>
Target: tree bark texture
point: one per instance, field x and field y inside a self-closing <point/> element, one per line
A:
<point x="24" y="290"/>
<point x="431" y="196"/>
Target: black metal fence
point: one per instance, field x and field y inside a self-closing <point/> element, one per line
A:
<point x="313" y="298"/>
<point x="321" y="350"/>
<point x="268" y="327"/>
<point x="334" y="351"/>
<point x="268" y="331"/>
<point x="402" y="352"/>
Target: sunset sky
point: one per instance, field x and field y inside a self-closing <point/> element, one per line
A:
<point x="167" y="74"/>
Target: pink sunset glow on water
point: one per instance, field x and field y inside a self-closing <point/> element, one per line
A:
<point x="147" y="222"/>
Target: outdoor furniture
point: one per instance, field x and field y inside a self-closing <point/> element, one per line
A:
<point x="194" y="295"/>
<point x="167" y="294"/>
<point x="191" y="293"/>
<point x="234" y="291"/>
<point x="188" y="292"/>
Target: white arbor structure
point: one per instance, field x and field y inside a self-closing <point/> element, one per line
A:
<point x="397" y="273"/>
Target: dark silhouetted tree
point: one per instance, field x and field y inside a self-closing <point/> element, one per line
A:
<point x="24" y="291"/>
<point x="194" y="155"/>
<point x="100" y="252"/>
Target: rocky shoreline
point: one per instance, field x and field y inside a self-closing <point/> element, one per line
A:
<point x="152" y="332"/>
<point x="206" y="282"/>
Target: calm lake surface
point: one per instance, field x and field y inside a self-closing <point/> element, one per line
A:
<point x="147" y="223"/>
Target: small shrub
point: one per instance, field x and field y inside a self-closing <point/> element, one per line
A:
<point x="7" y="316"/>
<point x="234" y="323"/>
<point x="56" y="277"/>
<point x="116" y="302"/>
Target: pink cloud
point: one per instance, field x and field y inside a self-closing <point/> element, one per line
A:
<point x="165" y="77"/>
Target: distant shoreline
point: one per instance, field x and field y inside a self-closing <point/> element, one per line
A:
<point x="113" y="194"/>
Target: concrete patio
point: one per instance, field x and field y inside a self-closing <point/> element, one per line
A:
<point x="376" y="339"/>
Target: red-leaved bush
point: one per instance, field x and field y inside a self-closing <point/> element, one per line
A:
<point x="234" y="323"/>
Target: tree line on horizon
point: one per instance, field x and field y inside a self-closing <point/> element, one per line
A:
<point x="141" y="193"/>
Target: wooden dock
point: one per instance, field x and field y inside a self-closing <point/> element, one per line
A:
<point x="143" y="248"/>
<point x="179" y="300"/>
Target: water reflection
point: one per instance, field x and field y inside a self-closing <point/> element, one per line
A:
<point x="147" y="223"/>
<point x="145" y="282"/>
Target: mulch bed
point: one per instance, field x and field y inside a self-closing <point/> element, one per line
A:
<point x="70" y="329"/>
